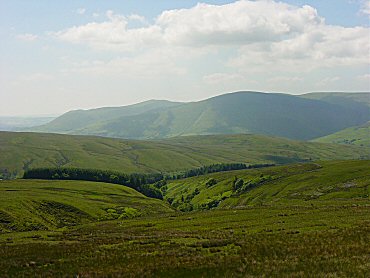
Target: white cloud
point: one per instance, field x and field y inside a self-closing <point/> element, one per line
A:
<point x="261" y="37"/>
<point x="327" y="81"/>
<point x="283" y="79"/>
<point x="27" y="37"/>
<point x="364" y="77"/>
<point x="110" y="35"/>
<point x="139" y="18"/>
<point x="95" y="15"/>
<point x="264" y="32"/>
<point x="365" y="7"/>
<point x="217" y="78"/>
<point x="239" y="23"/>
<point x="81" y="11"/>
<point x="323" y="47"/>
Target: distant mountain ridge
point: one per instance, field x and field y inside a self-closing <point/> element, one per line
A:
<point x="77" y="119"/>
<point x="340" y="97"/>
<point x="13" y="123"/>
<point x="302" y="117"/>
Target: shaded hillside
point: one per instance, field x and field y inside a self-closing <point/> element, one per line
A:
<point x="341" y="97"/>
<point x="22" y="151"/>
<point x="243" y="112"/>
<point x="357" y="135"/>
<point x="55" y="204"/>
<point x="320" y="183"/>
<point x="17" y="123"/>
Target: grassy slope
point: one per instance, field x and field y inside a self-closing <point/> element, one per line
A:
<point x="292" y="184"/>
<point x="43" y="205"/>
<point x="20" y="151"/>
<point x="282" y="235"/>
<point x="358" y="135"/>
<point x="292" y="241"/>
<point x="242" y="112"/>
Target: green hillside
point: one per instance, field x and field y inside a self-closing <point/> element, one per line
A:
<point x="47" y="205"/>
<point x="77" y="119"/>
<point x="22" y="151"/>
<point x="281" y="115"/>
<point x="358" y="135"/>
<point x="305" y="218"/>
<point x="298" y="184"/>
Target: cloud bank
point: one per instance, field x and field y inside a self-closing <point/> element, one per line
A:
<point x="264" y="33"/>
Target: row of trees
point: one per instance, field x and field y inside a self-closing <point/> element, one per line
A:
<point x="220" y="167"/>
<point x="151" y="185"/>
<point x="140" y="182"/>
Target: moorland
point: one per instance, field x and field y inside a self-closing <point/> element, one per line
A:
<point x="242" y="190"/>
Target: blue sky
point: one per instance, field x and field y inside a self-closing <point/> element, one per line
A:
<point x="61" y="55"/>
<point x="34" y="16"/>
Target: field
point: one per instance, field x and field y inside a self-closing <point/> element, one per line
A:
<point x="22" y="151"/>
<point x="302" y="219"/>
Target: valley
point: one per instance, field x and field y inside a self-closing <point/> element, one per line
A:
<point x="22" y="151"/>
<point x="212" y="138"/>
<point x="232" y="186"/>
<point x="95" y="228"/>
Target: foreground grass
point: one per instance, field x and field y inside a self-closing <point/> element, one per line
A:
<point x="274" y="241"/>
<point x="300" y="220"/>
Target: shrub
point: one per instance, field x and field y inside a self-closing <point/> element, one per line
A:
<point x="238" y="183"/>
<point x="129" y="213"/>
<point x="185" y="207"/>
<point x="211" y="182"/>
<point x="253" y="183"/>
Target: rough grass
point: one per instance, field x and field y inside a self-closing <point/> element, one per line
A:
<point x="305" y="184"/>
<point x="258" y="242"/>
<point x="22" y="151"/>
<point x="268" y="231"/>
<point x="27" y="205"/>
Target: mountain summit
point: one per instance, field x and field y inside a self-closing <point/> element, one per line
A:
<point x="297" y="117"/>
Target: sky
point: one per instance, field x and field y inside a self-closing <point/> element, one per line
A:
<point x="57" y="56"/>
